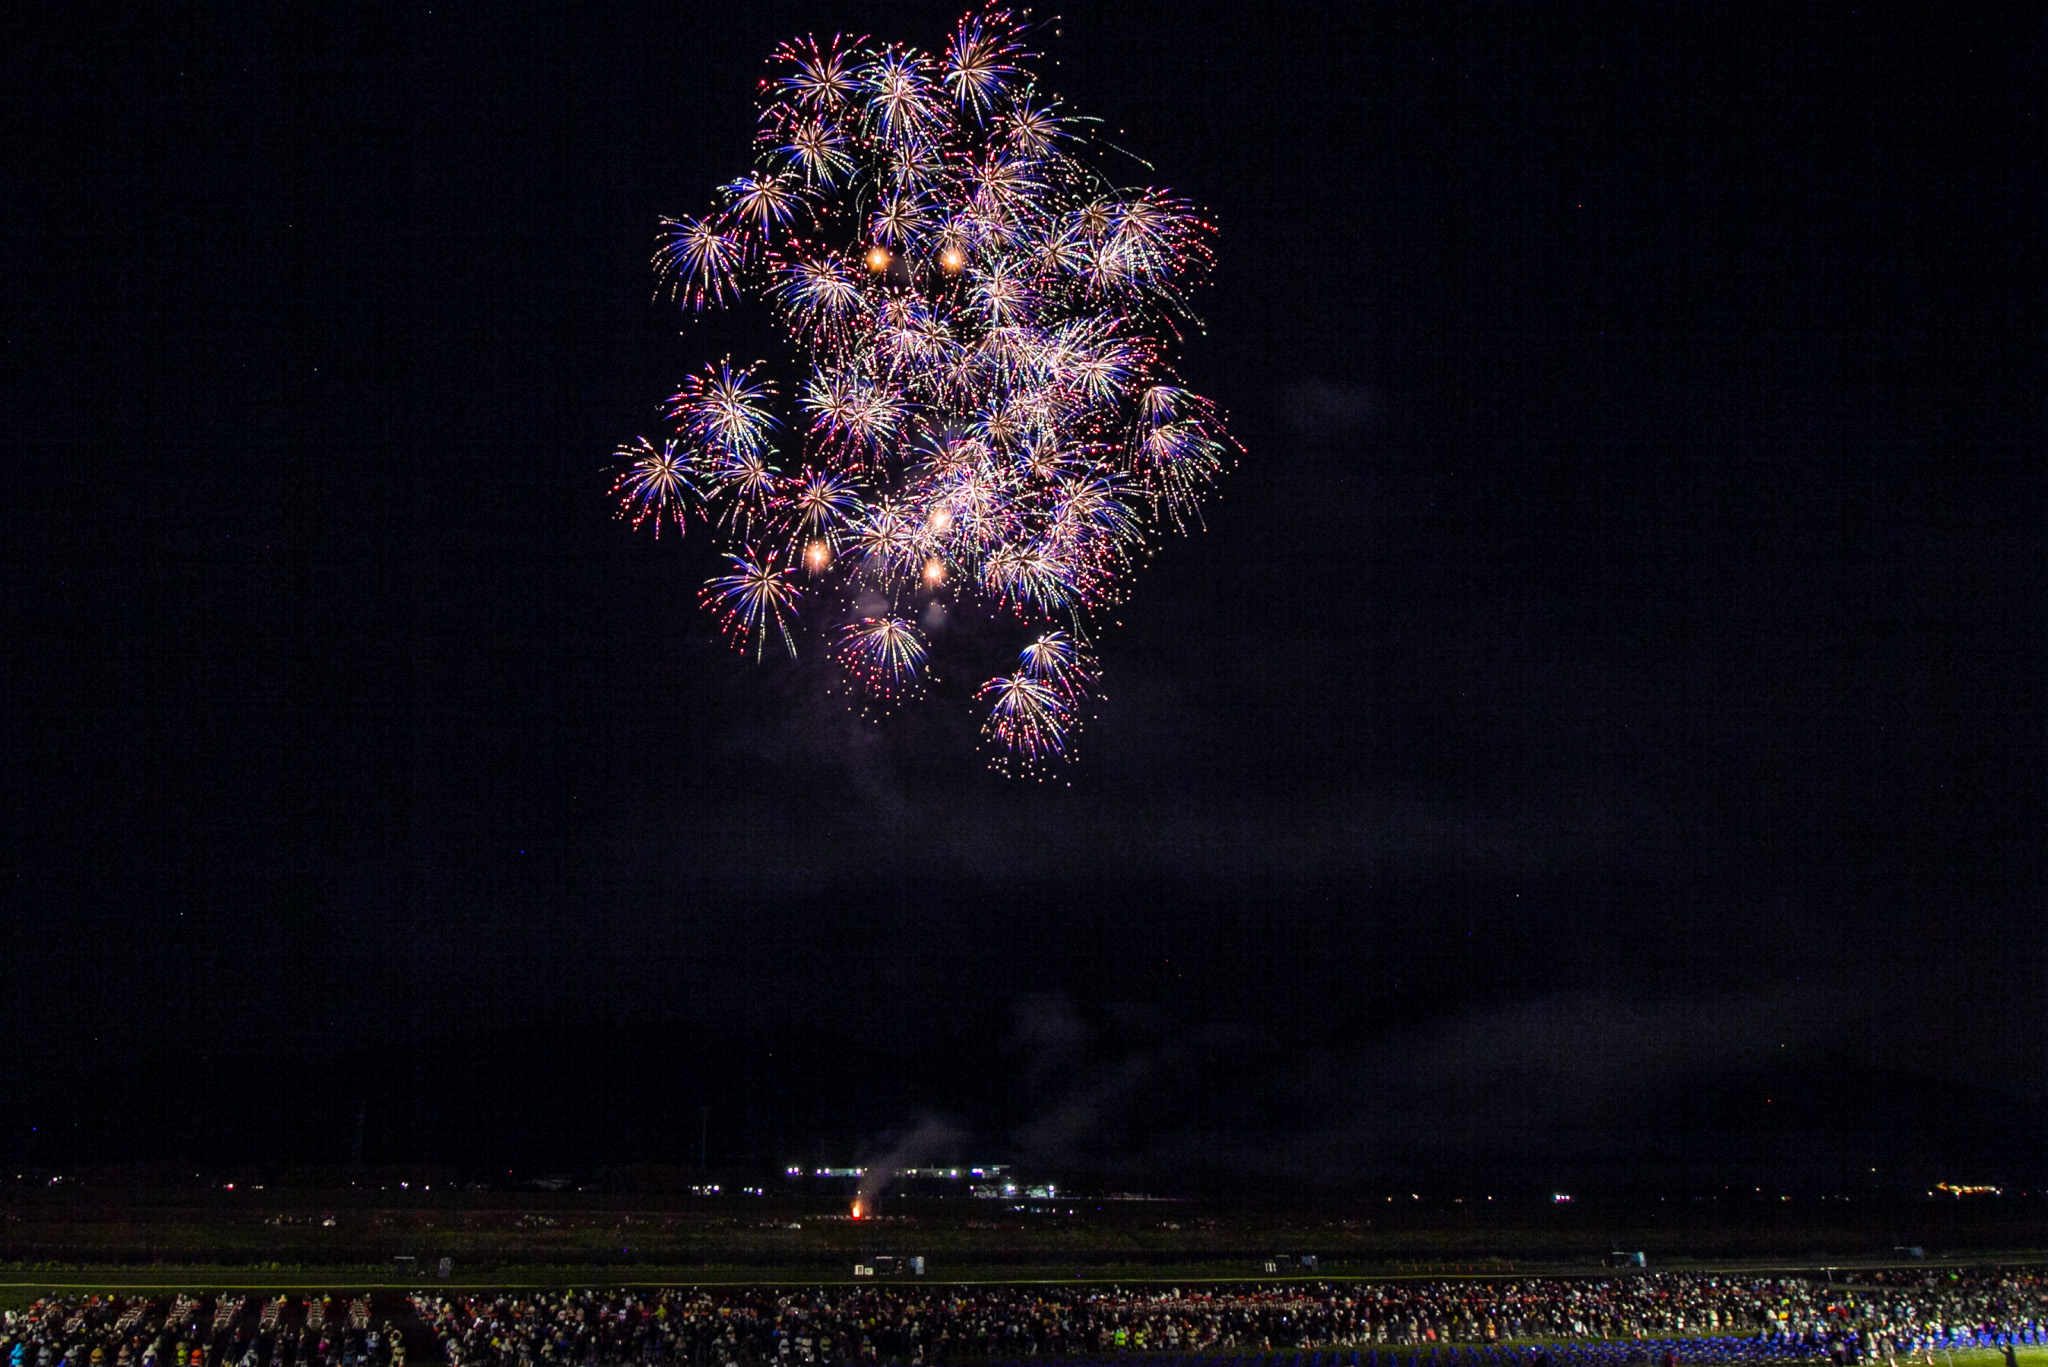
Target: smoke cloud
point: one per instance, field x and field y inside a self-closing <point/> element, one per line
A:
<point x="928" y="1137"/>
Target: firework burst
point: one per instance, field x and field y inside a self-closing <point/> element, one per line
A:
<point x="1028" y="722"/>
<point x="757" y="594"/>
<point x="987" y="412"/>
<point x="884" y="653"/>
<point x="655" y="484"/>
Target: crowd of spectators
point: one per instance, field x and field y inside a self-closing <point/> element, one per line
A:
<point x="198" y="1331"/>
<point x="1884" y="1316"/>
<point x="1877" y="1316"/>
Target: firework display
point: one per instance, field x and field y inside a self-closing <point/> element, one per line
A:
<point x="986" y="412"/>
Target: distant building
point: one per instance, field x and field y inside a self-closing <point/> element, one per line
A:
<point x="889" y="1265"/>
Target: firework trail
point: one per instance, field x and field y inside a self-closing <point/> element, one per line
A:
<point x="987" y="412"/>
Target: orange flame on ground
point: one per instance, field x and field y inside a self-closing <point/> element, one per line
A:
<point x="856" y="1210"/>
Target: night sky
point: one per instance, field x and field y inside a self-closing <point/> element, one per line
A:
<point x="1599" y="731"/>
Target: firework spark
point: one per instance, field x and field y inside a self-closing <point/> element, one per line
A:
<point x="988" y="411"/>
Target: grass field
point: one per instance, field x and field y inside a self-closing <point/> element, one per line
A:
<point x="145" y="1229"/>
<point x="375" y="1223"/>
<point x="21" y="1285"/>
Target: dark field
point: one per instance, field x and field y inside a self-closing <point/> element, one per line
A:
<point x="646" y="1224"/>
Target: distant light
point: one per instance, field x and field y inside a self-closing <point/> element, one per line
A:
<point x="1559" y="1197"/>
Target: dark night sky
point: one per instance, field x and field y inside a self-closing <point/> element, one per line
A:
<point x="1600" y="729"/>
